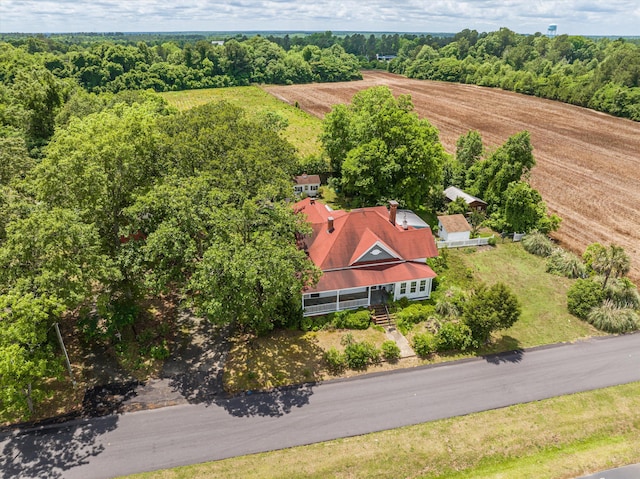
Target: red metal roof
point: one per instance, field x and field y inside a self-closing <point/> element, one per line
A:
<point x="315" y="211"/>
<point x="370" y="276"/>
<point x="353" y="234"/>
<point x="336" y="249"/>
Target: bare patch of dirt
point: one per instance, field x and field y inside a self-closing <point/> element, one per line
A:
<point x="588" y="163"/>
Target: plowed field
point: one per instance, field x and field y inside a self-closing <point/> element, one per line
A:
<point x="588" y="163"/>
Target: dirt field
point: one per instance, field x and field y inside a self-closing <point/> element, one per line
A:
<point x="588" y="163"/>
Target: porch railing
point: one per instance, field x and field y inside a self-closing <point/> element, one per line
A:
<point x="330" y="307"/>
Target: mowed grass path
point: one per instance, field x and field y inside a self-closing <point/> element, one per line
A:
<point x="303" y="129"/>
<point x="545" y="318"/>
<point x="563" y="437"/>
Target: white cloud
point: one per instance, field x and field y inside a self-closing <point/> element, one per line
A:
<point x="610" y="17"/>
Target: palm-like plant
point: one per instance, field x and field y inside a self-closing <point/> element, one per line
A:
<point x="612" y="261"/>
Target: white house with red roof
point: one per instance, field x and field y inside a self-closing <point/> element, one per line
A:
<point x="365" y="255"/>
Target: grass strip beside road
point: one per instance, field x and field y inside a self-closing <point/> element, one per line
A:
<point x="563" y="437"/>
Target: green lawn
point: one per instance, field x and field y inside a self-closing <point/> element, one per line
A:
<point x="545" y="319"/>
<point x="303" y="129"/>
<point x="557" y="438"/>
<point x="290" y="357"/>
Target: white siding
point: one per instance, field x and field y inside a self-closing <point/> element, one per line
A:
<point x="414" y="289"/>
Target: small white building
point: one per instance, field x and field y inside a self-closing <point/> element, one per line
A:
<point x="307" y="184"/>
<point x="453" y="228"/>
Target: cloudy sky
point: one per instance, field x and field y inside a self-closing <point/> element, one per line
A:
<point x="586" y="17"/>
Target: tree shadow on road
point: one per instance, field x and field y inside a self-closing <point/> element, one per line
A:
<point x="506" y="357"/>
<point x="195" y="368"/>
<point x="51" y="451"/>
<point x="275" y="403"/>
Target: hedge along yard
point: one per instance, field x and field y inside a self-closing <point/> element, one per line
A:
<point x="588" y="163"/>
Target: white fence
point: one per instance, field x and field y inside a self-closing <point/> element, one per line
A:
<point x="463" y="243"/>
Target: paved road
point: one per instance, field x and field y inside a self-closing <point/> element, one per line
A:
<point x="221" y="428"/>
<point x="628" y="472"/>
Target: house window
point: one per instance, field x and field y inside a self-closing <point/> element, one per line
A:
<point x="306" y="187"/>
<point x="315" y="295"/>
<point x="423" y="285"/>
<point x="413" y="286"/>
<point x="403" y="288"/>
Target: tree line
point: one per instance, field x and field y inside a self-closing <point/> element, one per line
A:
<point x="601" y="74"/>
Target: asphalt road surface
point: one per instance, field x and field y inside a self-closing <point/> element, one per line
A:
<point x="224" y="427"/>
<point x="628" y="472"/>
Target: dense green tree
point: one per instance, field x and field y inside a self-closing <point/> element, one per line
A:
<point x="52" y="253"/>
<point x="27" y="357"/>
<point x="469" y="149"/>
<point x="511" y="162"/>
<point x="98" y="163"/>
<point x="382" y="150"/>
<point x="458" y="207"/>
<point x="217" y="227"/>
<point x="15" y="161"/>
<point x="490" y="309"/>
<point x="41" y="95"/>
<point x="524" y="210"/>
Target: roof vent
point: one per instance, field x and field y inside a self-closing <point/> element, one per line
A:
<point x="405" y="225"/>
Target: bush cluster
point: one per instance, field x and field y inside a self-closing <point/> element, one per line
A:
<point x="425" y="344"/>
<point x="336" y="361"/>
<point x="612" y="318"/>
<point x="565" y="263"/>
<point x="360" y="319"/>
<point x="413" y="314"/>
<point x="315" y="323"/>
<point x="538" y="243"/>
<point x="454" y="336"/>
<point x="584" y="295"/>
<point x="359" y="354"/>
<point x="390" y="351"/>
<point x="356" y="355"/>
<point x="612" y="308"/>
<point x="623" y="293"/>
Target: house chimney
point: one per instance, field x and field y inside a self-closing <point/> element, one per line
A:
<point x="330" y="224"/>
<point x="393" y="207"/>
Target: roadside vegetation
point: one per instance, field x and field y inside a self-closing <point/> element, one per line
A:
<point x="557" y="438"/>
<point x="602" y="295"/>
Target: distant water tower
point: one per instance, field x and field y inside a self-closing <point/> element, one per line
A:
<point x="552" y="30"/>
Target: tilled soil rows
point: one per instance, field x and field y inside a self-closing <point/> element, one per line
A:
<point x="588" y="163"/>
